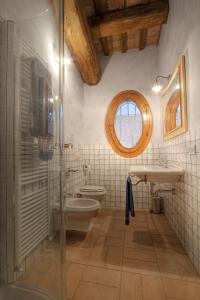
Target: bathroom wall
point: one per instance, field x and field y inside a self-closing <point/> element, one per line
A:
<point x="73" y="127"/>
<point x="110" y="170"/>
<point x="85" y="108"/>
<point x="106" y="169"/>
<point x="135" y="70"/>
<point x="183" y="208"/>
<point x="73" y="102"/>
<point x="35" y="23"/>
<point x="73" y="161"/>
<point x="181" y="36"/>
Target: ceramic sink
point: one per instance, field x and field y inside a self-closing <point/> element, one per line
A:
<point x="157" y="173"/>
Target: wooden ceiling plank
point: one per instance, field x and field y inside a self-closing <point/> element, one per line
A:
<point x="124" y="37"/>
<point x="137" y="17"/>
<point x="143" y="35"/>
<point x="101" y="7"/>
<point x="77" y="35"/>
<point x="122" y="4"/>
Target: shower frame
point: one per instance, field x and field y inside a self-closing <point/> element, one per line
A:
<point x="8" y="109"/>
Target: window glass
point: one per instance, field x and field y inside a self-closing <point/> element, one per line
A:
<point x="128" y="124"/>
<point x="178" y="116"/>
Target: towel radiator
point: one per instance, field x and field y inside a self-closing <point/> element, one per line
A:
<point x="31" y="174"/>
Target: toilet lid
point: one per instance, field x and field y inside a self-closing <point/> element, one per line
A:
<point x="91" y="188"/>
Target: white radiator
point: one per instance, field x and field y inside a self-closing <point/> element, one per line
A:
<point x="32" y="204"/>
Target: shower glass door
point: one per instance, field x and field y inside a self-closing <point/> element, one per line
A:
<point x="31" y="55"/>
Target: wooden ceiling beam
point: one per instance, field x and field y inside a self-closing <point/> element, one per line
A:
<point x="143" y="36"/>
<point x="124" y="41"/>
<point x="137" y="17"/>
<point x="105" y="46"/>
<point x="142" y="39"/>
<point x="78" y="38"/>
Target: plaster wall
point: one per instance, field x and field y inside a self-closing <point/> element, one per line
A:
<point x="181" y="35"/>
<point x="135" y="70"/>
<point x="73" y="103"/>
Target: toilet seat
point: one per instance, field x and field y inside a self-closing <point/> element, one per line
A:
<point x="81" y="205"/>
<point x="78" y="213"/>
<point x="91" y="190"/>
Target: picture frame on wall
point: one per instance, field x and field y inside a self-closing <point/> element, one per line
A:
<point x="174" y="103"/>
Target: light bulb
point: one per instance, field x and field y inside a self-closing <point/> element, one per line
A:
<point x="67" y="61"/>
<point x="157" y="88"/>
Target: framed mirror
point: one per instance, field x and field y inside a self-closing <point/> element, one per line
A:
<point x="174" y="103"/>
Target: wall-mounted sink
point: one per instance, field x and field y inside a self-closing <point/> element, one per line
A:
<point x="157" y="173"/>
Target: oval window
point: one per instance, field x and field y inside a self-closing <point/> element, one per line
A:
<point x="129" y="123"/>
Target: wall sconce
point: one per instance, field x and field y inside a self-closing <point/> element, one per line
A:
<point x="157" y="86"/>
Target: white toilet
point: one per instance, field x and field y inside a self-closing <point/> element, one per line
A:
<point x="78" y="214"/>
<point x="96" y="192"/>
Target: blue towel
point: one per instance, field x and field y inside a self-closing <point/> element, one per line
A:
<point x="129" y="201"/>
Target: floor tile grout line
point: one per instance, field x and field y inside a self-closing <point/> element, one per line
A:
<point x="122" y="268"/>
<point x="78" y="285"/>
<point x="95" y="283"/>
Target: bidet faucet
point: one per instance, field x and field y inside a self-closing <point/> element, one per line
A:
<point x="71" y="171"/>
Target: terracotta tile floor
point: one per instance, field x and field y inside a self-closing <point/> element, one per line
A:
<point x="143" y="261"/>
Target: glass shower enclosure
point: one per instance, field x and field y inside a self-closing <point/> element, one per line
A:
<point x="32" y="254"/>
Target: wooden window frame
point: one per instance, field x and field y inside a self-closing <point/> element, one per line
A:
<point x="146" y="114"/>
